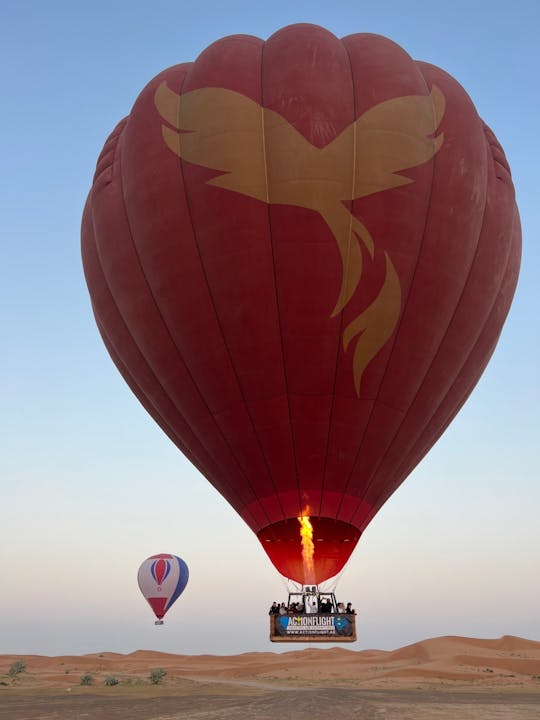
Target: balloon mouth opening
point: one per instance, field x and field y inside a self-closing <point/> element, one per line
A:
<point x="333" y="542"/>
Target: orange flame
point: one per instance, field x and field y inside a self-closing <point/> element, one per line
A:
<point x="308" y="548"/>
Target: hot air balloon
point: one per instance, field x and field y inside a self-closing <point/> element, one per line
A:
<point x="162" y="579"/>
<point x="300" y="254"/>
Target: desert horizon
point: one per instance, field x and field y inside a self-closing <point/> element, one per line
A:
<point x="507" y="661"/>
<point x="447" y="676"/>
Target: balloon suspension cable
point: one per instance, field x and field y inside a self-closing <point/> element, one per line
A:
<point x="330" y="584"/>
<point x="290" y="585"/>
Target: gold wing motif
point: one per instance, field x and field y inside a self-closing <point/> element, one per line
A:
<point x="219" y="129"/>
<point x="391" y="137"/>
<point x="256" y="152"/>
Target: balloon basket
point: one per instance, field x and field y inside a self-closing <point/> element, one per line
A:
<point x="312" y="615"/>
<point x="158" y="622"/>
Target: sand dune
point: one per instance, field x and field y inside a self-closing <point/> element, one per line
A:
<point x="506" y="662"/>
<point x="444" y="678"/>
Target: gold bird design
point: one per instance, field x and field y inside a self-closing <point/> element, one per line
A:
<point x="260" y="154"/>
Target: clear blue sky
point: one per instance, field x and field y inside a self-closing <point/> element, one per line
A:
<point x="89" y="486"/>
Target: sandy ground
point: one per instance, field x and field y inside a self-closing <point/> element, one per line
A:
<point x="450" y="678"/>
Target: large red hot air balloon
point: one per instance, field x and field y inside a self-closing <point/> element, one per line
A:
<point x="300" y="254"/>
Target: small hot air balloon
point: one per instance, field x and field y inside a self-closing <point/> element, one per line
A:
<point x="301" y="253"/>
<point x="162" y="579"/>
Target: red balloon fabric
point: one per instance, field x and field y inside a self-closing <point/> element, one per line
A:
<point x="300" y="255"/>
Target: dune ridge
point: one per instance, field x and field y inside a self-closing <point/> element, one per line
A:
<point x="508" y="661"/>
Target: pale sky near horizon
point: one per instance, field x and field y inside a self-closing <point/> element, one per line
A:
<point x="90" y="486"/>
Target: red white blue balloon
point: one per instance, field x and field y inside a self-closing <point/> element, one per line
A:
<point x="162" y="579"/>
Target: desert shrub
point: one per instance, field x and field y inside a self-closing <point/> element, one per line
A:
<point x="16" y="668"/>
<point x="87" y="679"/>
<point x="157" y="675"/>
<point x="111" y="680"/>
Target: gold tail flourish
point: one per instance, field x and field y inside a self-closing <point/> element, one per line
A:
<point x="347" y="230"/>
<point x="375" y="324"/>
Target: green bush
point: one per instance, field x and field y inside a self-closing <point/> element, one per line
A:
<point x="87" y="680"/>
<point x="17" y="667"/>
<point x="157" y="675"/>
<point x="111" y="680"/>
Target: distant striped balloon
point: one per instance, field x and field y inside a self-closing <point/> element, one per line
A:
<point x="162" y="579"/>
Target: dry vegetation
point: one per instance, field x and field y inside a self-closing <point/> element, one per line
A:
<point x="437" y="678"/>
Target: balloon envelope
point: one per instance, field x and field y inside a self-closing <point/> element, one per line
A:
<point x="162" y="579"/>
<point x="300" y="254"/>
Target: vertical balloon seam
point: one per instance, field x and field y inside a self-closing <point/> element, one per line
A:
<point x="288" y="394"/>
<point x="450" y="417"/>
<point x="479" y="330"/>
<point x="414" y="450"/>
<point x="243" y="503"/>
<point x="148" y="405"/>
<point x="105" y="161"/>
<point x="159" y="418"/>
<point x="110" y="345"/>
<point x="380" y="461"/>
<point x="383" y="456"/>
<point x="449" y="382"/>
<point x="274" y="272"/>
<point x="421" y="446"/>
<point x="352" y="69"/>
<point x="186" y="67"/>
<point x="339" y="356"/>
<point x="453" y="411"/>
<point x="411" y="464"/>
<point x="118" y="163"/>
<point x="391" y="343"/>
<point x="222" y="332"/>
<point x="166" y="328"/>
<point x="499" y="159"/>
<point x="389" y="446"/>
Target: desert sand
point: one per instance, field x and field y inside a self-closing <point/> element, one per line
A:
<point x="449" y="677"/>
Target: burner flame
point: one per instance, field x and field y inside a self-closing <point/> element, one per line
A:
<point x="308" y="548"/>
